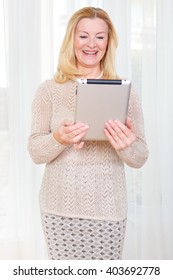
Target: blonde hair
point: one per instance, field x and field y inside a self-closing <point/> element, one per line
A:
<point x="67" y="69"/>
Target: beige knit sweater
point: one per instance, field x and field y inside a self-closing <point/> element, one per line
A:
<point x="87" y="183"/>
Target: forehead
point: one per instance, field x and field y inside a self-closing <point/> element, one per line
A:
<point x="92" y="24"/>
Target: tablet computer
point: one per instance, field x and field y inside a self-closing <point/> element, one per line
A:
<point x="98" y="101"/>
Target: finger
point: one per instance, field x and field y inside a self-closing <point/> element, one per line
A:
<point x="120" y="135"/>
<point x="78" y="138"/>
<point x="75" y="131"/>
<point x="121" y="129"/>
<point x="69" y="132"/>
<point x="71" y="128"/>
<point x="79" y="146"/>
<point x="75" y="126"/>
<point x="128" y="130"/>
<point x="112" y="140"/>
<point x="115" y="131"/>
<point x="126" y="134"/>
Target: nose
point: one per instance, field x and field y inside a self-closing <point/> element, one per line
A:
<point x="91" y="42"/>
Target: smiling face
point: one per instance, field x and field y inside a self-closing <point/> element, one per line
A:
<point x="90" y="43"/>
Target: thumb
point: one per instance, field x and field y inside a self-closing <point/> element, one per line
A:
<point x="79" y="146"/>
<point x="67" y="122"/>
<point x="129" y="124"/>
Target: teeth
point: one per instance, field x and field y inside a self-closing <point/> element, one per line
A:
<point x="89" y="52"/>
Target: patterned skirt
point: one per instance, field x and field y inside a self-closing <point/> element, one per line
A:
<point x="79" y="239"/>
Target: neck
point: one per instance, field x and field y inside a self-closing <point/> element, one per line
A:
<point x="92" y="75"/>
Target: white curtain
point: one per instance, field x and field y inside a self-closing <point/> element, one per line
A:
<point x="21" y="232"/>
<point x="157" y="226"/>
<point x="33" y="33"/>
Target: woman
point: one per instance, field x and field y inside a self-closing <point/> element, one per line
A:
<point x="83" y="195"/>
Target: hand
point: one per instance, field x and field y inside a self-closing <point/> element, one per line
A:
<point x="71" y="133"/>
<point x="119" y="135"/>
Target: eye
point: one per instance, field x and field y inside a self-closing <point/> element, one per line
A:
<point x="100" y="37"/>
<point x="83" y="36"/>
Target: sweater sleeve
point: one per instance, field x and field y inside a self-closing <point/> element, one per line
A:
<point x="137" y="153"/>
<point x="42" y="146"/>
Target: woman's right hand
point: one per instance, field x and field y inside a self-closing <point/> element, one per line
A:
<point x="71" y="133"/>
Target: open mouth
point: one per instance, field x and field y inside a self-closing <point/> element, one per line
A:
<point x="90" y="53"/>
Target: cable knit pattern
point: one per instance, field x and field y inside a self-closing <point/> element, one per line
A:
<point x="87" y="183"/>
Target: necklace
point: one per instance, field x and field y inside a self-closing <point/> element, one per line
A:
<point x="100" y="76"/>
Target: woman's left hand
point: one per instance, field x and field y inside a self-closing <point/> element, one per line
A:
<point x="120" y="135"/>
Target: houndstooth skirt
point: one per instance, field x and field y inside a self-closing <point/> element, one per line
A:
<point x="74" y="238"/>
